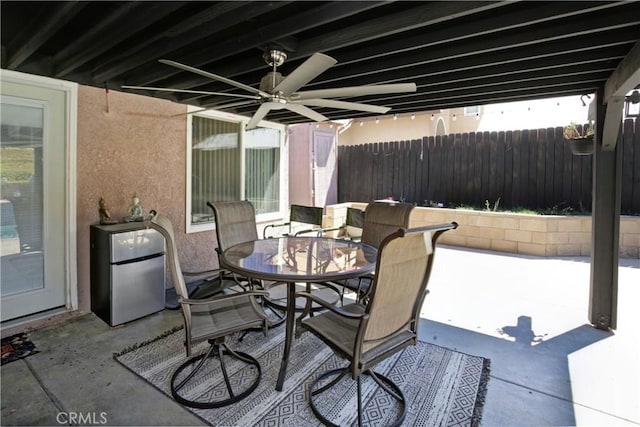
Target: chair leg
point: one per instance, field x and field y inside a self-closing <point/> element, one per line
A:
<point x="359" y="380"/>
<point x="385" y="384"/>
<point x="222" y="350"/>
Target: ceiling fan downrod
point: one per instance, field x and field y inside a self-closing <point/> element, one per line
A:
<point x="274" y="58"/>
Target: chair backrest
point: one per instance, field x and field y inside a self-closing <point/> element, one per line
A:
<point x="354" y="222"/>
<point x="403" y="267"/>
<point x="235" y="223"/>
<point x="305" y="215"/>
<point x="164" y="227"/>
<point x="355" y="218"/>
<point x="382" y="219"/>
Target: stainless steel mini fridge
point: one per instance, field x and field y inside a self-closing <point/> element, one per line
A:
<point x="127" y="272"/>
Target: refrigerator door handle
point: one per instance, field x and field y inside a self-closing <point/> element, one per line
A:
<point x="132" y="260"/>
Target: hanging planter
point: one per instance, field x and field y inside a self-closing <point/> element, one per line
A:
<point x="581" y="146"/>
<point x="580" y="139"/>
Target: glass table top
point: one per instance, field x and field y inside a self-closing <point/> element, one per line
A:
<point x="300" y="258"/>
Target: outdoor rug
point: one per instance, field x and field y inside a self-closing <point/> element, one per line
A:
<point x="442" y="387"/>
<point x="16" y="347"/>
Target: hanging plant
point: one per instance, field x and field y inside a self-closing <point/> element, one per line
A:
<point x="580" y="140"/>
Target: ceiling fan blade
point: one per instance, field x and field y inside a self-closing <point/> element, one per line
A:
<point x="199" y="110"/>
<point x="305" y="111"/>
<point x="262" y="112"/>
<point x="231" y="105"/>
<point x="202" y="92"/>
<point x="355" y="91"/>
<point x="216" y="107"/>
<point x="214" y="77"/>
<point x="307" y="71"/>
<point x="331" y="103"/>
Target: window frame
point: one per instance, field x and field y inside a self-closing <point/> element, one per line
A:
<point x="242" y="120"/>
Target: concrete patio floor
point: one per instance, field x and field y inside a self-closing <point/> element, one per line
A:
<point x="549" y="367"/>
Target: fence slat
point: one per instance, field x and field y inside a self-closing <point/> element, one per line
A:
<point x="516" y="142"/>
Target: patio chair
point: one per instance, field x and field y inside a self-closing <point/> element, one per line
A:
<point x="236" y="220"/>
<point x="302" y="220"/>
<point x="367" y="335"/>
<point x="212" y="319"/>
<point x="380" y="220"/>
<point x="235" y="223"/>
<point x="354" y="224"/>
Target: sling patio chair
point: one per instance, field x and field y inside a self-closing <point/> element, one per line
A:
<point x="212" y="319"/>
<point x="380" y="220"/>
<point x="235" y="223"/>
<point x="236" y="220"/>
<point x="365" y="335"/>
<point x="302" y="220"/>
<point x="353" y="224"/>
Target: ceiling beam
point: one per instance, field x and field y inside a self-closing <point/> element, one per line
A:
<point x="624" y="78"/>
<point x="561" y="39"/>
<point x="614" y="45"/>
<point x="421" y="16"/>
<point x="525" y="16"/>
<point x="32" y="38"/>
<point x="390" y="24"/>
<point x="180" y="35"/>
<point x="121" y="24"/>
<point x="309" y="18"/>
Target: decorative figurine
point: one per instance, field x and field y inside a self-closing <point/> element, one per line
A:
<point x="135" y="211"/>
<point x="105" y="217"/>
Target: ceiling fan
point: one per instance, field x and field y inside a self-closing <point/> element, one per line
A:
<point x="277" y="92"/>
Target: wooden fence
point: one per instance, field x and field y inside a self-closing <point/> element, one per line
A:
<point x="531" y="169"/>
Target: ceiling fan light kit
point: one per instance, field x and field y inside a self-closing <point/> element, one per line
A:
<point x="277" y="92"/>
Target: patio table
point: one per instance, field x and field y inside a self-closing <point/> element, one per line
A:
<point x="299" y="260"/>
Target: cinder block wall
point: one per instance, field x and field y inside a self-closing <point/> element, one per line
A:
<point x="544" y="235"/>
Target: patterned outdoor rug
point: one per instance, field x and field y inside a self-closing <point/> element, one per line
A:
<point x="442" y="387"/>
<point x="16" y="347"/>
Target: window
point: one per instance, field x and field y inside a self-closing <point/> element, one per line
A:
<point x="228" y="163"/>
<point x="472" y="111"/>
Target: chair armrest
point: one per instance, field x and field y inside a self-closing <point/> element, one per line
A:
<point x="337" y="310"/>
<point x="264" y="230"/>
<point x="224" y="297"/>
<point x="319" y="231"/>
<point x="310" y="230"/>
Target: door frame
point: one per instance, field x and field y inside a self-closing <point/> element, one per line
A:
<point x="70" y="91"/>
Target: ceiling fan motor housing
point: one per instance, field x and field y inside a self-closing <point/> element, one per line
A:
<point x="270" y="81"/>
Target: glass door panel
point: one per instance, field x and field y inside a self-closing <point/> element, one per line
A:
<point x="32" y="198"/>
<point x="21" y="197"/>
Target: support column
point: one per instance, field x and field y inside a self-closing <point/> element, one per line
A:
<point x="605" y="249"/>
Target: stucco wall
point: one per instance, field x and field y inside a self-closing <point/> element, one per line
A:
<point x="138" y="146"/>
<point x="404" y="128"/>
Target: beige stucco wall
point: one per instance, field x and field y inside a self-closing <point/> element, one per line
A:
<point x="404" y="128"/>
<point x="138" y="146"/>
